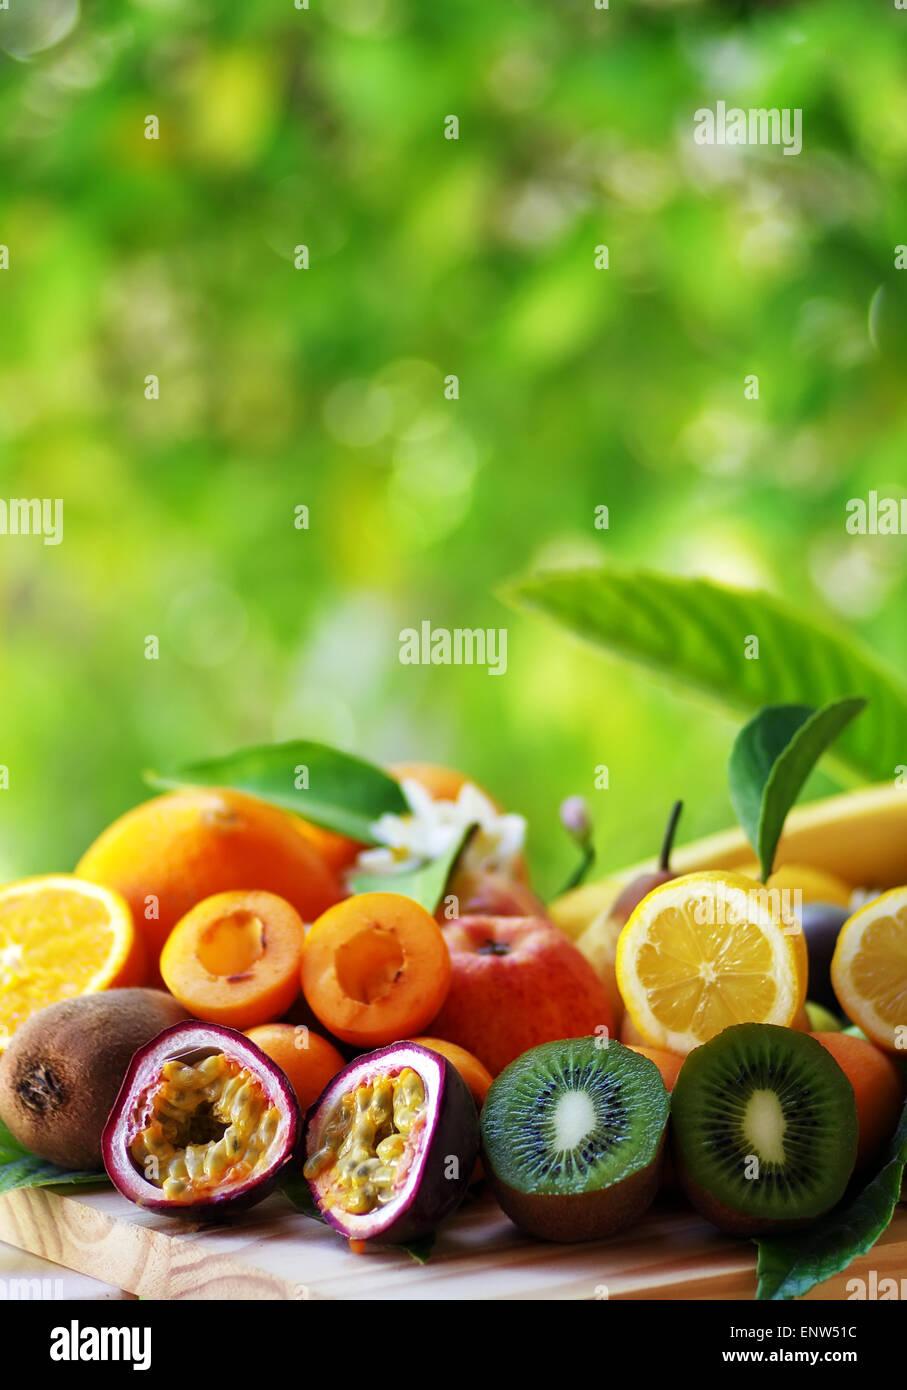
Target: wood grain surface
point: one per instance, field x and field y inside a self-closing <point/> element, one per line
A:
<point x="275" y="1253"/>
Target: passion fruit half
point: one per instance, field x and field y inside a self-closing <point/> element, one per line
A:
<point x="391" y="1144"/>
<point x="203" y="1125"/>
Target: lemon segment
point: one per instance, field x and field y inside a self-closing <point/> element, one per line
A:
<point x="706" y="951"/>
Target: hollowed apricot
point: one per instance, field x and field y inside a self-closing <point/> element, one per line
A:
<point x="234" y="958"/>
<point x="375" y="968"/>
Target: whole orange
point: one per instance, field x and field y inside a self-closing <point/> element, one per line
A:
<point x="476" y="1075"/>
<point x="169" y="853"/>
<point x="668" y="1063"/>
<point x="307" y="1059"/>
<point x="337" y="851"/>
<point x="877" y="1088"/>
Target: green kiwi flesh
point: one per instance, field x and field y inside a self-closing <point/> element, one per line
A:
<point x="764" y="1129"/>
<point x="573" y="1138"/>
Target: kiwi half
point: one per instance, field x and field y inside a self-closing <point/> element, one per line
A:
<point x="764" y="1126"/>
<point x="573" y="1136"/>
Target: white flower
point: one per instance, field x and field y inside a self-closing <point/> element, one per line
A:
<point x="434" y="827"/>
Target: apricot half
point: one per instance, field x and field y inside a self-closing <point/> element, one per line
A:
<point x="375" y="968"/>
<point x="234" y="958"/>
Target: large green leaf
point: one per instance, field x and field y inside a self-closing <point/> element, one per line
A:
<point x="789" y="1266"/>
<point x="772" y="757"/>
<point x="693" y="631"/>
<point x="343" y="793"/>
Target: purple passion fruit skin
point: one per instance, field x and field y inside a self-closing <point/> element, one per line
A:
<point x="390" y="1144"/>
<point x="203" y="1125"/>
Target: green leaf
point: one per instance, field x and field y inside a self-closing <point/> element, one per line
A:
<point x="772" y="757"/>
<point x="344" y="793"/>
<point x="297" y="1189"/>
<point x="426" y="883"/>
<point x="421" y="1250"/>
<point x="788" y="1267"/>
<point x="693" y="631"/>
<point x="19" y="1168"/>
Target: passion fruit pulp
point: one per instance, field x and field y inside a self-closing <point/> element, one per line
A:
<point x="390" y="1145"/>
<point x="203" y="1125"/>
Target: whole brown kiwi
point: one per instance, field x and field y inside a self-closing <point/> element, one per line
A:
<point x="60" y="1075"/>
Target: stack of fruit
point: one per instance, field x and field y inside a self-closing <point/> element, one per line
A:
<point x="769" y="1117"/>
<point x="208" y="1004"/>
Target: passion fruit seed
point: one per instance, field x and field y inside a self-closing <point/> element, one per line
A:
<point x="365" y="1140"/>
<point x="203" y="1125"/>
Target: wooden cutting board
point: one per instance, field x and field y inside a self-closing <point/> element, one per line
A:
<point x="275" y="1253"/>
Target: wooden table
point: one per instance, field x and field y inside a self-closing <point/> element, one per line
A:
<point x="274" y="1252"/>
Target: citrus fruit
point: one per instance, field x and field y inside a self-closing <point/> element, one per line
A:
<point x="169" y="853"/>
<point x="337" y="851"/>
<point x="61" y="937"/>
<point x="706" y="951"/>
<point x="475" y="1073"/>
<point x="877" y="1088"/>
<point x="869" y="969"/>
<point x="308" y="1060"/>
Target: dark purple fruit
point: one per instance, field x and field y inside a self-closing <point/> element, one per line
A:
<point x="203" y="1125"/>
<point x="641" y="886"/>
<point x="821" y="924"/>
<point x="391" y="1144"/>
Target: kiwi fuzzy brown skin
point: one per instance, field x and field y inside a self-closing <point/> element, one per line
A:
<point x="582" y="1216"/>
<point x="61" y="1073"/>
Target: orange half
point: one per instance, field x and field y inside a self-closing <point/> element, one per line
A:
<point x="60" y="937"/>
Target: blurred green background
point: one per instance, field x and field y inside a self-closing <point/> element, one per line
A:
<point x="324" y="387"/>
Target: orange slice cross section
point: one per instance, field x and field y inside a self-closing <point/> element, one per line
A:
<point x="60" y="937"/>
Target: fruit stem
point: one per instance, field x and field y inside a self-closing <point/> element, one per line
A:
<point x="664" y="861"/>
